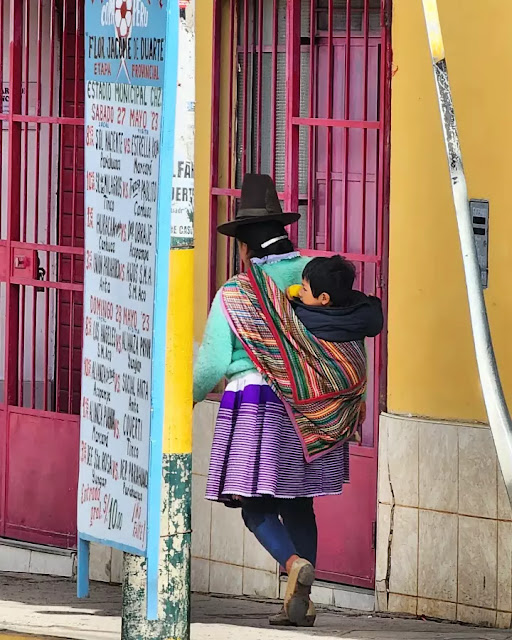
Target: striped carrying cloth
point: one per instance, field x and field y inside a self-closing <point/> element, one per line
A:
<point x="322" y="384"/>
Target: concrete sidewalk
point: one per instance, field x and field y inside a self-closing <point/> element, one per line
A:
<point x="47" y="607"/>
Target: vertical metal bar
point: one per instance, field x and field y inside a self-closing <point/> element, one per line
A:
<point x="346" y="137"/>
<point x="36" y="192"/>
<point x="70" y="354"/>
<point x="311" y="130"/>
<point x="328" y="169"/>
<point x="293" y="28"/>
<point x="260" y="79"/>
<point x="273" y="94"/>
<point x="245" y="85"/>
<point x="14" y="197"/>
<point x="82" y="577"/>
<point x="4" y="346"/>
<point x="48" y="214"/>
<point x="214" y="149"/>
<point x="384" y="107"/>
<point x="74" y="207"/>
<point x="381" y="134"/>
<point x="366" y="28"/>
<point x="233" y="59"/>
<point x="61" y="294"/>
<point x="230" y="207"/>
<point x="64" y="49"/>
<point x="230" y="203"/>
<point x="21" y="355"/>
<point x="23" y="291"/>
<point x="26" y="64"/>
<point x="2" y="9"/>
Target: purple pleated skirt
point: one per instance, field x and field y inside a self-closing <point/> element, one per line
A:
<point x="256" y="451"/>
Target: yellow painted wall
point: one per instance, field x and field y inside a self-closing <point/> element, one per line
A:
<point x="204" y="31"/>
<point x="432" y="368"/>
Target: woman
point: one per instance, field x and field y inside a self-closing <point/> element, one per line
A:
<point x="257" y="460"/>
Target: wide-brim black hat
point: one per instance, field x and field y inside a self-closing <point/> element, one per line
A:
<point x="258" y="203"/>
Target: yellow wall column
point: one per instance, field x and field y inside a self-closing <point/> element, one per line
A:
<point x="432" y="369"/>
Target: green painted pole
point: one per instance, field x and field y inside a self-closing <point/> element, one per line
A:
<point x="174" y="569"/>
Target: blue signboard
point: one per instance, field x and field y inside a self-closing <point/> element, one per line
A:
<point x="130" y="95"/>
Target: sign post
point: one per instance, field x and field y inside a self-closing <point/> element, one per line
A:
<point x="174" y="568"/>
<point x="130" y="89"/>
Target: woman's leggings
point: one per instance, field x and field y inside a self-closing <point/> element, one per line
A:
<point x="285" y="527"/>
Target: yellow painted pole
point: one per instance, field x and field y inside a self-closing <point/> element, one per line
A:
<point x="180" y="323"/>
<point x="435" y="36"/>
<point x="177" y="444"/>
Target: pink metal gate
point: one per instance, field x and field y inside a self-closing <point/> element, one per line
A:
<point x="301" y="91"/>
<point x="41" y="267"/>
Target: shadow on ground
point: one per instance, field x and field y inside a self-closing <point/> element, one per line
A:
<point x="45" y="592"/>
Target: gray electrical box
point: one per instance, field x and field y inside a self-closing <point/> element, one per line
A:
<point x="479" y="210"/>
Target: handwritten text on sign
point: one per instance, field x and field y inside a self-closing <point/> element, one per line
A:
<point x="124" y="44"/>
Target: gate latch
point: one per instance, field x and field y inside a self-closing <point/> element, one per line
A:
<point x="21" y="262"/>
<point x="24" y="264"/>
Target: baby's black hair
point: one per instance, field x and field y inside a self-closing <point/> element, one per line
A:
<point x="334" y="276"/>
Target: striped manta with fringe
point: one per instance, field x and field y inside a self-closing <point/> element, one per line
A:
<point x="322" y="384"/>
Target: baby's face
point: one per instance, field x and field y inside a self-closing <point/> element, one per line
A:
<point x="306" y="296"/>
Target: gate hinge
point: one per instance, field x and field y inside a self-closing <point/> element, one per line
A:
<point x="374" y="535"/>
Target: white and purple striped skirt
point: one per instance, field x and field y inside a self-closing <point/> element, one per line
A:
<point x="256" y="451"/>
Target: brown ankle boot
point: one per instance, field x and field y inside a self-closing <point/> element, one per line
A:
<point x="296" y="600"/>
<point x="281" y="619"/>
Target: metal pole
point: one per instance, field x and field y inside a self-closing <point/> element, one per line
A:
<point x="497" y="411"/>
<point x="175" y="533"/>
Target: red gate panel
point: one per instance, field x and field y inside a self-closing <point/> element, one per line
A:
<point x="41" y="266"/>
<point x="41" y="504"/>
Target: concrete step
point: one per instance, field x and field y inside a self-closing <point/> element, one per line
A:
<point x="339" y="596"/>
<point x="25" y="557"/>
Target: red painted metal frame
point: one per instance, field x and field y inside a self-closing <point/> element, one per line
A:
<point x="310" y="224"/>
<point x="214" y="147"/>
<point x="12" y="298"/>
<point x="368" y="246"/>
<point x="346" y="130"/>
<point x="328" y="155"/>
<point x="273" y="97"/>
<point x="384" y="192"/>
<point x="47" y="234"/>
<point x="332" y="123"/>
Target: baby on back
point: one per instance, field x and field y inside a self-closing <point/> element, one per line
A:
<point x="329" y="307"/>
